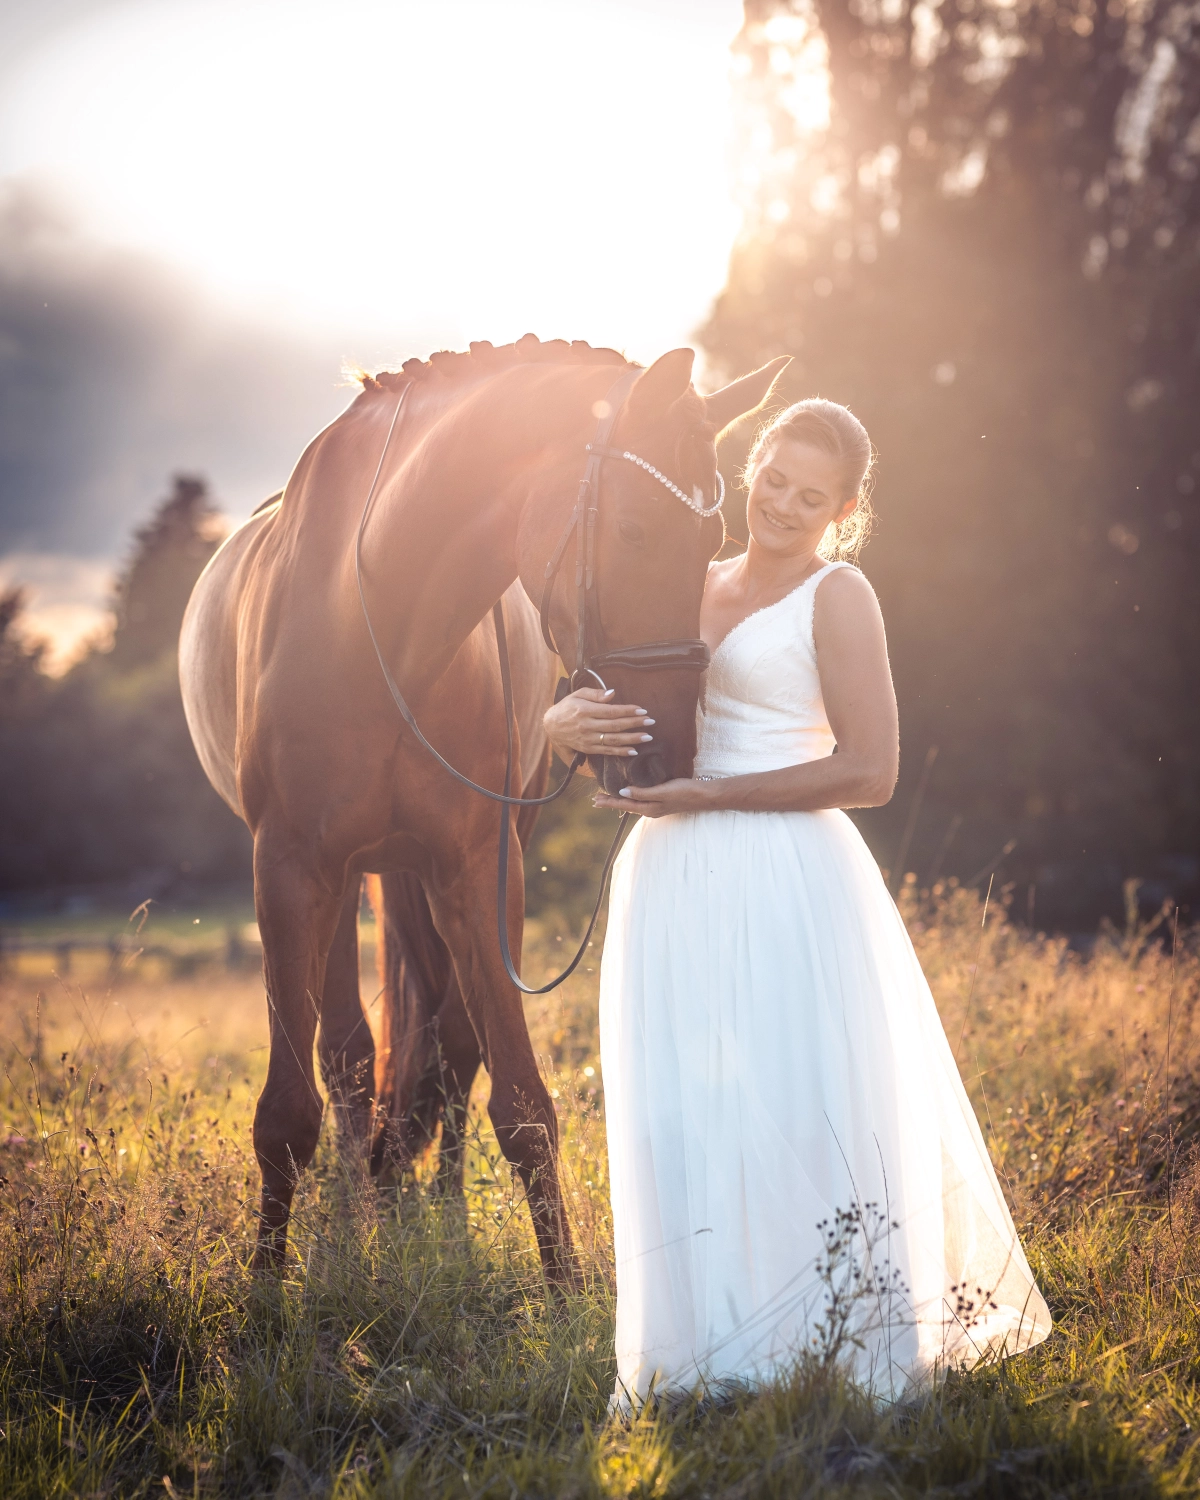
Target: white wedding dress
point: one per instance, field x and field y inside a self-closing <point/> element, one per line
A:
<point x="794" y="1162"/>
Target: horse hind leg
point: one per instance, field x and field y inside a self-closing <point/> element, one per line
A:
<point x="345" y="1046"/>
<point x="414" y="970"/>
<point x="429" y="1054"/>
<point x="298" y="916"/>
<point x="446" y="1087"/>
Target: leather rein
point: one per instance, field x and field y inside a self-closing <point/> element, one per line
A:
<point x="678" y="655"/>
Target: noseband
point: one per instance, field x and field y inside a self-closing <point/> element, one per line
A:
<point x="651" y="656"/>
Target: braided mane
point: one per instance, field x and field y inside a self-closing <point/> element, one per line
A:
<point x="484" y="356"/>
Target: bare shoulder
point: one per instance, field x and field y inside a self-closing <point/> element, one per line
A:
<point x="718" y="577"/>
<point x="846" y="588"/>
<point x="845" y="603"/>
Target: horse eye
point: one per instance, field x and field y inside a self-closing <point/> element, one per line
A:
<point x="632" y="532"/>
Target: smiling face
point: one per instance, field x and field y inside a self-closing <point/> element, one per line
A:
<point x="797" y="491"/>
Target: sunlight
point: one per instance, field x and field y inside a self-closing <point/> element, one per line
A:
<point x="69" y="603"/>
<point x="395" y="169"/>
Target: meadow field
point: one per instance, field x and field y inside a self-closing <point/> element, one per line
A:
<point x="410" y="1349"/>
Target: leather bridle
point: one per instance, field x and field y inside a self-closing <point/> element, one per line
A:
<point x="651" y="656"/>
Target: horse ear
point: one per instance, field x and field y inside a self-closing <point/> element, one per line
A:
<point x="662" y="384"/>
<point x="725" y="406"/>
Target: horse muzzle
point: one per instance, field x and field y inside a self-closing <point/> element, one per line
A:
<point x="612" y="772"/>
<point x="652" y="763"/>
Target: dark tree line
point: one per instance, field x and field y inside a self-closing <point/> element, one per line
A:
<point x="100" y="782"/>
<point x="989" y="251"/>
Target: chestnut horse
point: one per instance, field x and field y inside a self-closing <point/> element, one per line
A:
<point x="294" y="724"/>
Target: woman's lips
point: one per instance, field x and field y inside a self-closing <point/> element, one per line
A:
<point x="775" y="521"/>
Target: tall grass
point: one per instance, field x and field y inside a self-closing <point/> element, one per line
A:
<point x="410" y="1348"/>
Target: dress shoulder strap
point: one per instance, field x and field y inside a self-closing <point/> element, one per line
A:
<point x="809" y="600"/>
<point x="830" y="567"/>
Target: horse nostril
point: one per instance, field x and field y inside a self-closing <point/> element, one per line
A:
<point x="648" y="769"/>
<point x="614" y="777"/>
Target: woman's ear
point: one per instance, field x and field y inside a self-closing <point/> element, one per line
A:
<point x="846" y="511"/>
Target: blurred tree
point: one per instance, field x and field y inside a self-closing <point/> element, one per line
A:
<point x="169" y="554"/>
<point x="23" y="684"/>
<point x="978" y="223"/>
<point x="100" y="782"/>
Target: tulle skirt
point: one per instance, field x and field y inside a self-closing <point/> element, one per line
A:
<point x="795" y="1166"/>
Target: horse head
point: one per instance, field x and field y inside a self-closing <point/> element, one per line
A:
<point x="651" y="552"/>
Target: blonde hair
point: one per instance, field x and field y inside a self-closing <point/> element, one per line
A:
<point x="836" y="430"/>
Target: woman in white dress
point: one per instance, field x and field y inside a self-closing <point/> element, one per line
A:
<point x="795" y="1165"/>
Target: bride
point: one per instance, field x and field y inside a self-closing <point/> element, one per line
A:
<point x="795" y="1165"/>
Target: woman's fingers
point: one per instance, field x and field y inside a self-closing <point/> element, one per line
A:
<point x="620" y="734"/>
<point x="603" y="704"/>
<point x="615" y="722"/>
<point x="597" y="741"/>
<point x="617" y="730"/>
<point x="612" y="715"/>
<point x="609" y="728"/>
<point x="588" y="721"/>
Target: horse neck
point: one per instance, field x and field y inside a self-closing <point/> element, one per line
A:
<point x="444" y="530"/>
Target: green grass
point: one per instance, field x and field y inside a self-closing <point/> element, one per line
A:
<point x="410" y="1349"/>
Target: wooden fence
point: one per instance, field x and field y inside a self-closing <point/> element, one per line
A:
<point x="238" y="950"/>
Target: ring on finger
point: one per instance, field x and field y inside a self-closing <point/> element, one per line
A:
<point x="602" y="739"/>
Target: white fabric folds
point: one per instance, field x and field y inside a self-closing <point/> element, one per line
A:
<point x="794" y="1161"/>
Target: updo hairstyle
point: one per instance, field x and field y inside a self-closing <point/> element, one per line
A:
<point x="836" y="430"/>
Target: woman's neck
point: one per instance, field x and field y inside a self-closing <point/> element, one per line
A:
<point x="766" y="572"/>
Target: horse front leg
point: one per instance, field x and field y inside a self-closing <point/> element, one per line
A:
<point x="345" y="1044"/>
<point x="298" y="915"/>
<point x="519" y="1107"/>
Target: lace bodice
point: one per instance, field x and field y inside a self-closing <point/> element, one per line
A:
<point x="760" y="704"/>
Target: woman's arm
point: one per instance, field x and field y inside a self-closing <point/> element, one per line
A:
<point x="856" y="684"/>
<point x="588" y="721"/>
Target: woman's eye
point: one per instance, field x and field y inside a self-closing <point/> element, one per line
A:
<point x="632" y="532"/>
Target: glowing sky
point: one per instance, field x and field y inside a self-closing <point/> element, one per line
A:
<point x="374" y="178"/>
<point x="392" y="171"/>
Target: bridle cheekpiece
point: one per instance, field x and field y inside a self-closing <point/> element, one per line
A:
<point x="649" y="656"/>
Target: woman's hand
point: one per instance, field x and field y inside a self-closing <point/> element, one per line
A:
<point x="589" y="722"/>
<point x="657" y="801"/>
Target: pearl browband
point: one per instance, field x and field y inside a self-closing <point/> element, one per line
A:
<point x="694" y="501"/>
